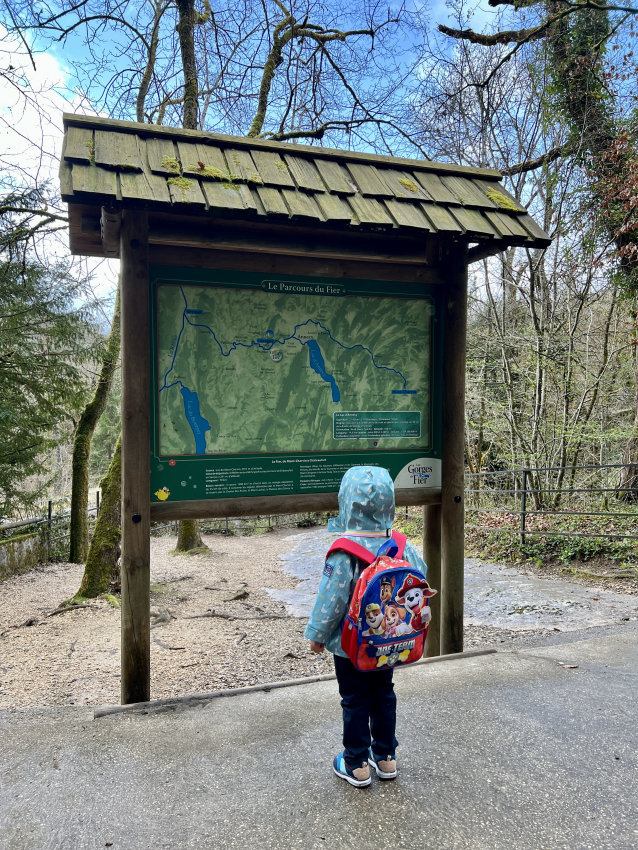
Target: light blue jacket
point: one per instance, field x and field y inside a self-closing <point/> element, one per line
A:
<point x="366" y="505"/>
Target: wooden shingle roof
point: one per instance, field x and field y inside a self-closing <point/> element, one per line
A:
<point x="120" y="164"/>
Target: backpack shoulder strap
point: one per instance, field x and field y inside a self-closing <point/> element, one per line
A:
<point x="343" y="544"/>
<point x="400" y="540"/>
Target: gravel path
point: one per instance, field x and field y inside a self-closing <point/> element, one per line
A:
<point x="74" y="658"/>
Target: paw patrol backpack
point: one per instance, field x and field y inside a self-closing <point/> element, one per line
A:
<point x="389" y="613"/>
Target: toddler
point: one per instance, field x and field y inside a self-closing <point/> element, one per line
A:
<point x="366" y="514"/>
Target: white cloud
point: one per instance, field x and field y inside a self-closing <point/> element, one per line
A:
<point x="31" y="105"/>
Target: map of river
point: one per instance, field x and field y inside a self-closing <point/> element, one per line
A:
<point x="251" y="371"/>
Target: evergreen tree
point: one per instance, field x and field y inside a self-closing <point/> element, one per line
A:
<point x="44" y="340"/>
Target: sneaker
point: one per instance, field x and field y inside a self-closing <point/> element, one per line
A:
<point x="386" y="768"/>
<point x="358" y="776"/>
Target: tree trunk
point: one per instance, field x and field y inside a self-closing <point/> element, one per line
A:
<point x="79" y="533"/>
<point x="186" y="33"/>
<point x="189" y="537"/>
<point x="102" y="563"/>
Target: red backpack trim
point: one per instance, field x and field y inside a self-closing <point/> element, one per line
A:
<point x="344" y="544"/>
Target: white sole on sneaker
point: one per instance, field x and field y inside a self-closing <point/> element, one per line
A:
<point x="357" y="783"/>
<point x="380" y="773"/>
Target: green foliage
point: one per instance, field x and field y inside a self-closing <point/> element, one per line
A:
<point x="44" y="341"/>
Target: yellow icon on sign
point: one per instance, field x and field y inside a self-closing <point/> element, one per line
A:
<point x="162" y="494"/>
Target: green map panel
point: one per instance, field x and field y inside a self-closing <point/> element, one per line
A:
<point x="258" y="371"/>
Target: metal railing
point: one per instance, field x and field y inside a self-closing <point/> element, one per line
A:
<point x="54" y="522"/>
<point x="510" y="489"/>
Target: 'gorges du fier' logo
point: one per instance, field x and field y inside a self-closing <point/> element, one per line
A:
<point x="419" y="474"/>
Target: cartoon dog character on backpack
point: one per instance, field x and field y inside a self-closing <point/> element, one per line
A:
<point x="394" y="625"/>
<point x="375" y="620"/>
<point x="387" y="589"/>
<point x="413" y="595"/>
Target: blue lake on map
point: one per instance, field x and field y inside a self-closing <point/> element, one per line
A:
<point x="317" y="363"/>
<point x="197" y="422"/>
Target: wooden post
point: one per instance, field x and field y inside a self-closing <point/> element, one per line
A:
<point x="432" y="557"/>
<point x="523" y="505"/>
<point x="454" y="268"/>
<point x="136" y="447"/>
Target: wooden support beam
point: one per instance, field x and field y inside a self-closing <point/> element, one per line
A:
<point x="432" y="557"/>
<point x="489" y="249"/>
<point x="110" y="223"/>
<point x="454" y="269"/>
<point x="136" y="469"/>
<point x="263" y="505"/>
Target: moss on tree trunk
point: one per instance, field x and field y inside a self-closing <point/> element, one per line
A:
<point x="188" y="537"/>
<point x="79" y="532"/>
<point x="102" y="563"/>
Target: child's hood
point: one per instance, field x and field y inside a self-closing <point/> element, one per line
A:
<point x="366" y="501"/>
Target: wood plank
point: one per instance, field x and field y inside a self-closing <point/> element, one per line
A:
<point x="507" y="226"/>
<point x="467" y="193"/>
<point x="254" y="237"/>
<point x="304" y="173"/>
<point x="273" y="202"/>
<point x="260" y="505"/>
<point x="224" y="197"/>
<point x="144" y="186"/>
<point x="501" y="227"/>
<point x="156" y="182"/>
<point x="404" y="185"/>
<point x="136" y="469"/>
<point x="272" y="169"/>
<point x="241" y="163"/>
<point x="266" y="145"/>
<point x="78" y="144"/>
<point x="186" y="190"/>
<point x="369" y="211"/>
<point x="248" y="199"/>
<point x="435" y="188"/>
<point x="493" y="186"/>
<point x="441" y="220"/>
<point x="215" y="166"/>
<point x="474" y="223"/>
<point x="539" y="236"/>
<point x="408" y="215"/>
<point x="487" y="249"/>
<point x="65" y="174"/>
<point x="333" y="208"/>
<point x="117" y="150"/>
<point x="369" y="181"/>
<point x="138" y="187"/>
<point x="454" y="269"/>
<point x="158" y="152"/>
<point x="269" y="263"/>
<point x="95" y="181"/>
<point x="432" y="557"/>
<point x="110" y="226"/>
<point x="302" y="207"/>
<point x="335" y="177"/>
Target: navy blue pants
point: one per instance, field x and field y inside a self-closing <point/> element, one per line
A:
<point x="369" y="711"/>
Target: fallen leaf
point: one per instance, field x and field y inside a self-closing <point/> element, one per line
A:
<point x="556" y="629"/>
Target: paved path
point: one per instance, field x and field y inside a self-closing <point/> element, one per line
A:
<point x="497" y="596"/>
<point x="507" y="751"/>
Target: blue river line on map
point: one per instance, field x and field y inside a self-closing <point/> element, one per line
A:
<point x="199" y="425"/>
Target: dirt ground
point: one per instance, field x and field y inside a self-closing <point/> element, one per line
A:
<point x="74" y="658"/>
